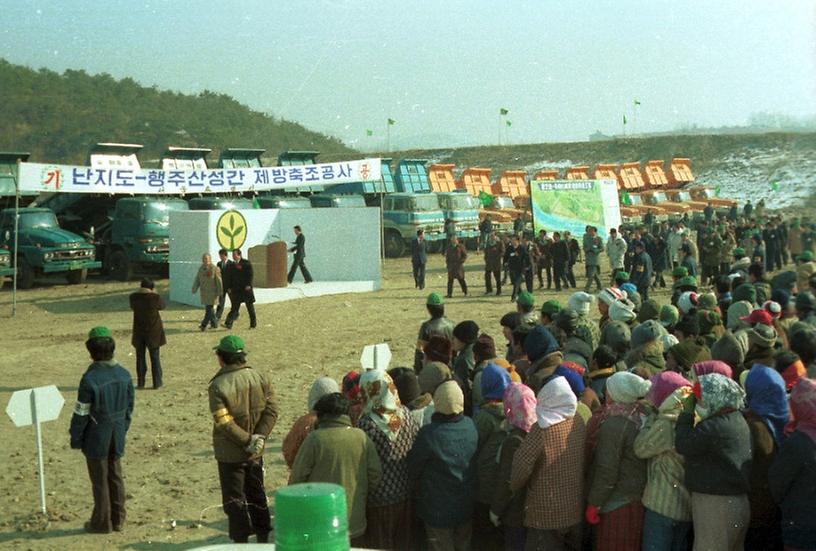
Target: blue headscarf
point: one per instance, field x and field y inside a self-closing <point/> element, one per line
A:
<point x="576" y="382"/>
<point x="495" y="380"/>
<point x="766" y="396"/>
<point x="539" y="343"/>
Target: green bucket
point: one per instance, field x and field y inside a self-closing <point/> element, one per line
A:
<point x="311" y="516"/>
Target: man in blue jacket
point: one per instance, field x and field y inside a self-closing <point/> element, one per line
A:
<point x="100" y="422"/>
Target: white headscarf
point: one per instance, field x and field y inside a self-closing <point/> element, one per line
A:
<point x="556" y="402"/>
<point x="321" y="387"/>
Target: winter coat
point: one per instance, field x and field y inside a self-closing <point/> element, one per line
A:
<point x="803" y="272"/>
<point x="339" y="454"/>
<point x="455" y="261"/>
<point x="617" y="475"/>
<point x="208" y="282"/>
<point x="488" y="421"/>
<point x="240" y="277"/>
<point x="641" y="275"/>
<point x="616" y="250"/>
<point x="147" y="322"/>
<point x="593" y="247"/>
<point x="516" y="259"/>
<point x="764" y="512"/>
<point x="674" y="242"/>
<point x="507" y="504"/>
<point x="441" y="468"/>
<point x="795" y="244"/>
<point x="542" y="369"/>
<point x="711" y="250"/>
<point x="493" y="255"/>
<point x="792" y="481"/>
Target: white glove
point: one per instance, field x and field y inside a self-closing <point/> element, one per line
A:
<point x="256" y="444"/>
<point x="494" y="518"/>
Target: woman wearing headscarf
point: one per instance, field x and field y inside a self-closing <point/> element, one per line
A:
<point x="304" y="425"/>
<point x="393" y="430"/>
<point x="717" y="452"/>
<point x="507" y="506"/>
<point x="549" y="465"/>
<point x="617" y="476"/>
<point x="667" y="522"/>
<point x="351" y="391"/>
<point x="792" y="476"/>
<point x="767" y="415"/>
<point x="419" y="403"/>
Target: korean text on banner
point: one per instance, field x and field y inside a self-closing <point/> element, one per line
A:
<point x="51" y="178"/>
<point x="560" y="205"/>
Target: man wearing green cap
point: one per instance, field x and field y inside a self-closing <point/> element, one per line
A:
<point x="548" y="312"/>
<point x="244" y="412"/>
<point x="525" y="303"/>
<point x="99" y="425"/>
<point x="437" y="325"/>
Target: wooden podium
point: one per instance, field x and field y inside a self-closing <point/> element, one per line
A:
<point x="269" y="265"/>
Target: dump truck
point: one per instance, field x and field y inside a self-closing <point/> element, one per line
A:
<point x="406" y="213"/>
<point x="463" y="209"/>
<point x="546" y="174"/>
<point x="679" y="173"/>
<point x="476" y="182"/>
<point x="632" y="208"/>
<point x="683" y="196"/>
<point x="577" y="173"/>
<point x="45" y="248"/>
<point x="8" y="179"/>
<point x="441" y="178"/>
<point x="411" y="176"/>
<point x="654" y="175"/>
<point x="513" y="183"/>
<point x="709" y="196"/>
<point x="659" y="199"/>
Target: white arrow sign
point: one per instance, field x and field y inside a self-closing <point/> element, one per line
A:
<point x="33" y="406"/>
<point x="376" y="356"/>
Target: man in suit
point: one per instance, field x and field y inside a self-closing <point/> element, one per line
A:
<point x="224" y="264"/>
<point x="299" y="249"/>
<point x="148" y="332"/>
<point x="419" y="257"/>
<point x="240" y="289"/>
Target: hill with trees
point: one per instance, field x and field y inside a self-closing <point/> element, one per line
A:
<point x="58" y="117"/>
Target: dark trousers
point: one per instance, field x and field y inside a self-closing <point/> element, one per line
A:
<point x="141" y="365"/>
<point x="593" y="274"/>
<point x="659" y="279"/>
<point x="235" y="306"/>
<point x="710" y="274"/>
<point x="661" y="533"/>
<point x="557" y="540"/>
<point x="108" y="492"/>
<point x="495" y="274"/>
<point x="220" y="310"/>
<point x="571" y="275"/>
<point x="462" y="284"/>
<point x="419" y="274"/>
<point x="298" y="263"/>
<point x="528" y="279"/>
<point x="209" y="317"/>
<point x="516" y="279"/>
<point x="244" y="499"/>
<point x="548" y="269"/>
<point x="643" y="291"/>
<point x="560" y="275"/>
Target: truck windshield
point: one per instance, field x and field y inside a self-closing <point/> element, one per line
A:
<point x="462" y="202"/>
<point x="424" y="203"/>
<point x="159" y="213"/>
<point x="503" y="203"/>
<point x="659" y="197"/>
<point x="44" y="219"/>
<point x="685" y="196"/>
<point x="636" y="199"/>
<point x="706" y="193"/>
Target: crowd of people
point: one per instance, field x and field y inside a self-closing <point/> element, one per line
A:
<point x="687" y="423"/>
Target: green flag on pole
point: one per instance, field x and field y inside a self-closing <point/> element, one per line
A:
<point x="774" y="186"/>
<point x="624" y="119"/>
<point x="625" y="199"/>
<point x="485" y="199"/>
<point x="503" y="111"/>
<point x="391" y="122"/>
<point x="369" y="132"/>
<point x="717" y="191"/>
<point x="508" y="123"/>
<point x="637" y="102"/>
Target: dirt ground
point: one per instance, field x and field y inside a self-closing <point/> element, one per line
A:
<point x="170" y="473"/>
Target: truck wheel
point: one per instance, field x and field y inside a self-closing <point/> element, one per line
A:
<point x="25" y="274"/>
<point x="394" y="245"/>
<point x="120" y="267"/>
<point x="75" y="277"/>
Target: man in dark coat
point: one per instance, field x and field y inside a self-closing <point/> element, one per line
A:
<point x="641" y="270"/>
<point x="560" y="260"/>
<point x="299" y="249"/>
<point x="100" y="422"/>
<point x="223" y="264"/>
<point x="148" y="332"/>
<point x="455" y="257"/>
<point x="516" y="258"/>
<point x="240" y="290"/>
<point x="544" y="243"/>
<point x="493" y="256"/>
<point x="419" y="257"/>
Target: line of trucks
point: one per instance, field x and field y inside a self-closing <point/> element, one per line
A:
<point x="71" y="234"/>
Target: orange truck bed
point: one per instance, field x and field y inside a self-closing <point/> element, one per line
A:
<point x="512" y="183"/>
<point x="680" y="172"/>
<point x="475" y="180"/>
<point x="608" y="172"/>
<point x="546" y="175"/>
<point x="631" y="178"/>
<point x="440" y="177"/>
<point x="577" y="173"/>
<point x="654" y="175"/>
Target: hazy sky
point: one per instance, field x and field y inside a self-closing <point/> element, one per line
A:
<point x="443" y="69"/>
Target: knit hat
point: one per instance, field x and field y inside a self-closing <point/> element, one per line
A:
<point x="622" y="310"/>
<point x="688" y="325"/>
<point x="626" y="388"/>
<point x="551" y="308"/>
<point x="663" y="384"/>
<point x="687" y="302"/>
<point x="621" y="276"/>
<point x="448" y="399"/>
<point x="805" y="301"/>
<point x="689" y="352"/>
<point x="484" y="348"/>
<point x="578" y="351"/>
<point x="730" y="349"/>
<point x="580" y="302"/>
<point x="617" y="335"/>
<point x="759" y="315"/>
<point x="494" y="381"/>
<point x="525" y="299"/>
<point x="433" y="375"/>
<point x="628" y="288"/>
<point x="466" y="331"/>
<point x="519" y="406"/>
<point x="773" y="308"/>
<point x="680" y="272"/>
<point x="806" y="256"/>
<point x="434" y="299"/>
<point x="746" y="292"/>
<point x="539" y="343"/>
<point x="669" y="315"/>
<point x="736" y="312"/>
<point x="634" y="297"/>
<point x="610" y="295"/>
<point x="649" y="310"/>
<point x="438" y="349"/>
<point x="647" y="331"/>
<point x="707" y="301"/>
<point x="688" y="283"/>
<point x="762" y="336"/>
<point x="668" y="341"/>
<point x="711" y="366"/>
<point x="707" y="320"/>
<point x="567" y="320"/>
<point x="407" y="384"/>
<point x="321" y="387"/>
<point x="576" y="381"/>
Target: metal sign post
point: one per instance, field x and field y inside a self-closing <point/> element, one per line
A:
<point x="33" y="406"/>
<point x="16" y="224"/>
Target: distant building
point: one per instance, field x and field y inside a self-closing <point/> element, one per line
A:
<point x="599" y="136"/>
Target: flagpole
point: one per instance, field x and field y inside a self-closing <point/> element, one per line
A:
<point x="500" y="121"/>
<point x="388" y="136"/>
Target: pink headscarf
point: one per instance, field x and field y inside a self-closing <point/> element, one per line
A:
<point x="663" y="384"/>
<point x="712" y="366"/>
<point x="803" y="406"/>
<point x="520" y="406"/>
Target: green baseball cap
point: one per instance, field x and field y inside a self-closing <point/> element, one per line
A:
<point x="806" y="256"/>
<point x="551" y="308"/>
<point x="435" y="299"/>
<point x="231" y="344"/>
<point x="680" y="272"/>
<point x="621" y="276"/>
<point x="99" y="332"/>
<point x="525" y="299"/>
<point x="739" y="251"/>
<point x="688" y="281"/>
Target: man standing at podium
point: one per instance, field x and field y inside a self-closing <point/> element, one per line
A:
<point x="299" y="249"/>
